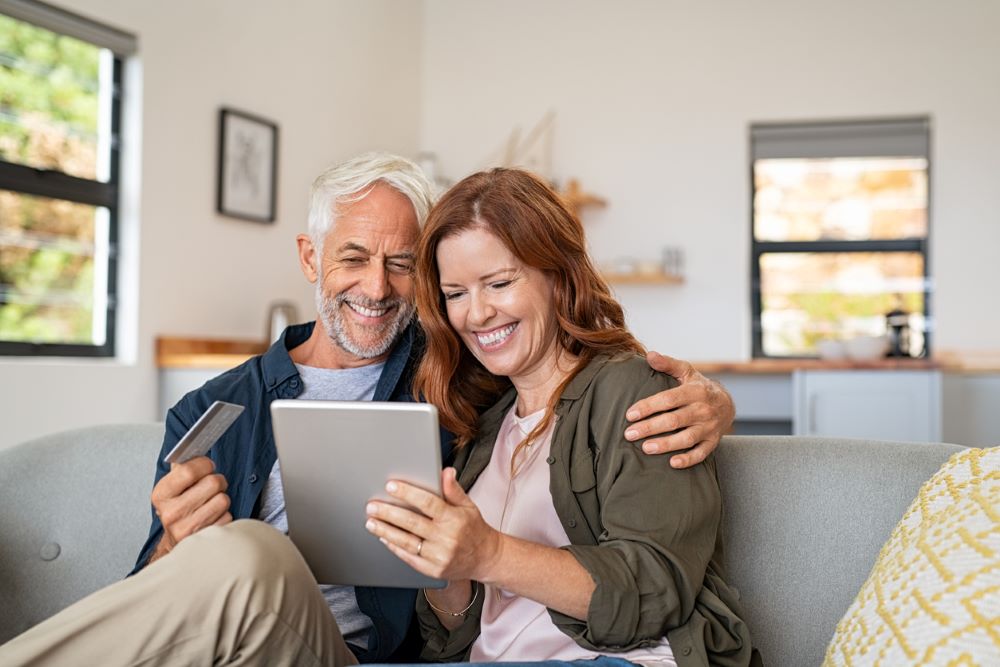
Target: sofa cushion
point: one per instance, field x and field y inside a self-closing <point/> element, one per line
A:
<point x="933" y="596"/>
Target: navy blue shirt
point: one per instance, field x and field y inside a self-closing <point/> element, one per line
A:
<point x="245" y="454"/>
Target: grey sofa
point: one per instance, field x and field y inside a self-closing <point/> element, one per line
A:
<point x="805" y="518"/>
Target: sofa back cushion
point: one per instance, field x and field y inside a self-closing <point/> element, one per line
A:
<point x="74" y="511"/>
<point x="805" y="519"/>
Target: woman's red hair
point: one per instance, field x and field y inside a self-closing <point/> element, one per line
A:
<point x="531" y="220"/>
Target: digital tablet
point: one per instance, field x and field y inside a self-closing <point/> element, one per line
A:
<point x="336" y="456"/>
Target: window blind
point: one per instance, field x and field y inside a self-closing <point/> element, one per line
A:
<point x="67" y="23"/>
<point x="902" y="137"/>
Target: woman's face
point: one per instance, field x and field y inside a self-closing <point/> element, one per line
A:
<point x="502" y="309"/>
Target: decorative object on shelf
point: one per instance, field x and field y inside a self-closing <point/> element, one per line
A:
<point x="636" y="278"/>
<point x="575" y="198"/>
<point x="248" y="162"/>
<point x="673" y="260"/>
<point x="628" y="271"/>
<point x="535" y="152"/>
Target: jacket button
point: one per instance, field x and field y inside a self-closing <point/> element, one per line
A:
<point x="550" y="460"/>
<point x="253" y="478"/>
<point x="293" y="384"/>
<point x="50" y="551"/>
<point x="571" y="523"/>
<point x="687" y="650"/>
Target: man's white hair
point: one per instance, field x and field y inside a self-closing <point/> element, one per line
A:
<point x="353" y="179"/>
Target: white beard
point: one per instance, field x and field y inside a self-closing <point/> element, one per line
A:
<point x="332" y="317"/>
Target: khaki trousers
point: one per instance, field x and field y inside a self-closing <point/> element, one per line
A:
<point x="235" y="595"/>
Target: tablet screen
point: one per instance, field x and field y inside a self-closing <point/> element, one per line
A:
<point x="336" y="456"/>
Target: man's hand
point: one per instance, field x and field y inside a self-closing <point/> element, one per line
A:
<point x="188" y="498"/>
<point x="699" y="410"/>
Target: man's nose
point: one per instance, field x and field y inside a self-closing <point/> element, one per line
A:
<point x="375" y="283"/>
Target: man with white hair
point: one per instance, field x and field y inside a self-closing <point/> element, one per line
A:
<point x="242" y="594"/>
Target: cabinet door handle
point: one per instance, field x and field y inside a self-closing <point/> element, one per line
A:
<point x="811" y="416"/>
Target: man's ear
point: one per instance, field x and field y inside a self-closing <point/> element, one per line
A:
<point x="307" y="257"/>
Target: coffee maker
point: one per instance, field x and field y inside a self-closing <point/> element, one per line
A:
<point x="897" y="325"/>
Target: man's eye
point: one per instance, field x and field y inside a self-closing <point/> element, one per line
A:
<point x="403" y="268"/>
<point x="353" y="260"/>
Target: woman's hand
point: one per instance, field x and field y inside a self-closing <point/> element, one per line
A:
<point x="446" y="539"/>
<point x="450" y="540"/>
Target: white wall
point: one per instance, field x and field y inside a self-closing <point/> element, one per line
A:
<point x="653" y="103"/>
<point x="338" y="78"/>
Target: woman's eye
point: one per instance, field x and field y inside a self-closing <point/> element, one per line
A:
<point x="501" y="284"/>
<point x="451" y="296"/>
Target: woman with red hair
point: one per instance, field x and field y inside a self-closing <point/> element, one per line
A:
<point x="559" y="540"/>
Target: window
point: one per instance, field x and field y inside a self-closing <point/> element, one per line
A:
<point x="60" y="142"/>
<point x="839" y="233"/>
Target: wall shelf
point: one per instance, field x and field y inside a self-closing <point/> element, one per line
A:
<point x="643" y="278"/>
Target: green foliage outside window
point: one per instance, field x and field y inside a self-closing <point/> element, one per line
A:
<point x="49" y="109"/>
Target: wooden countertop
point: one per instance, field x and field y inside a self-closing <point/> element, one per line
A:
<point x="979" y="361"/>
<point x="780" y="366"/>
<point x="949" y="362"/>
<point x="177" y="352"/>
<point x="181" y="352"/>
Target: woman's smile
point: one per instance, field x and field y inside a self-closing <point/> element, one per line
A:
<point x="495" y="338"/>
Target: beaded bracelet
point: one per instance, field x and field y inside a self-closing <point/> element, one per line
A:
<point x="456" y="614"/>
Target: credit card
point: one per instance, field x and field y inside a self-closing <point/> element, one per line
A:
<point x="209" y="428"/>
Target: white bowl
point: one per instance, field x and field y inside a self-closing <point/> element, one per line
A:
<point x="831" y="349"/>
<point x="866" y="348"/>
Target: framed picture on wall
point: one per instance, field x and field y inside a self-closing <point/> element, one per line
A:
<point x="248" y="166"/>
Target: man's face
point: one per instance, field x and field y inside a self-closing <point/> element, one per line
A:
<point x="364" y="294"/>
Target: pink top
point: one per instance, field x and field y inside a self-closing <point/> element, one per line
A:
<point x="514" y="627"/>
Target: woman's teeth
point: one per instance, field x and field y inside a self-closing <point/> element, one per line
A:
<point x="497" y="336"/>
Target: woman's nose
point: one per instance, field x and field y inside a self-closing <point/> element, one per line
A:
<point x="480" y="309"/>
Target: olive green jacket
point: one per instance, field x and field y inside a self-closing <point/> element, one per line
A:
<point x="648" y="534"/>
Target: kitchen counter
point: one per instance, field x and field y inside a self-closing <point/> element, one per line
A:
<point x="780" y="366"/>
<point x="947" y="361"/>
<point x="762" y="388"/>
<point x="214" y="353"/>
<point x="181" y="352"/>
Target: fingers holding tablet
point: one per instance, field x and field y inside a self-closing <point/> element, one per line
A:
<point x="451" y="543"/>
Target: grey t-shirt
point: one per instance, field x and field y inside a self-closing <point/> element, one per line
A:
<point x="348" y="384"/>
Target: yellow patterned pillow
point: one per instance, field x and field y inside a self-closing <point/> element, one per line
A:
<point x="933" y="597"/>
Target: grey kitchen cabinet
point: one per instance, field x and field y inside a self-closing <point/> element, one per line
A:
<point x="875" y="404"/>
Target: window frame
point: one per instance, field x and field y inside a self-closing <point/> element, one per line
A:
<point x="759" y="248"/>
<point x="54" y="184"/>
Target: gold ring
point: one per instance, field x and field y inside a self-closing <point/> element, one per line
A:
<point x="420" y="546"/>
